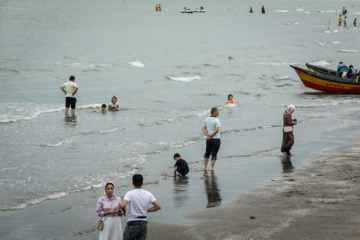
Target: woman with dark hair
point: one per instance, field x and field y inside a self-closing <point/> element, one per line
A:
<point x="114" y="106"/>
<point x="288" y="135"/>
<point x="108" y="207"/>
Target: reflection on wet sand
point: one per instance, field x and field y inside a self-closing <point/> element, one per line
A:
<point x="180" y="190"/>
<point x="211" y="189"/>
<point x="287" y="165"/>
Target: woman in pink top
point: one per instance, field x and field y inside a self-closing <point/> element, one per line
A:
<point x="108" y="207"/>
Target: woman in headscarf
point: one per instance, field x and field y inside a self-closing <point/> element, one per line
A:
<point x="288" y="135"/>
<point x="108" y="207"/>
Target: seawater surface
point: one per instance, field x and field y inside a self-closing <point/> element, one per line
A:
<point x="167" y="70"/>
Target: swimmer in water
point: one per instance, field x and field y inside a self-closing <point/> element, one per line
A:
<point x="230" y="99"/>
<point x="114" y="106"/>
<point x="103" y="109"/>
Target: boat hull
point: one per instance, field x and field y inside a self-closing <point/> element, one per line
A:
<point x="327" y="83"/>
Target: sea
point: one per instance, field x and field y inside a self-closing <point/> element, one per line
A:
<point x="167" y="70"/>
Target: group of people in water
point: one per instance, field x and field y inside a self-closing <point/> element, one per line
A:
<point x="262" y="10"/>
<point x="346" y="72"/>
<point x="341" y="20"/>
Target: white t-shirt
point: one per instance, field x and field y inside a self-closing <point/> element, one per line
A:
<point x="70" y="88"/>
<point x="211" y="123"/>
<point x="138" y="204"/>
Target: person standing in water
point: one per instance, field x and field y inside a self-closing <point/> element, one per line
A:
<point x="355" y="22"/>
<point x="288" y="135"/>
<point x="70" y="89"/>
<point x="114" y="106"/>
<point x="211" y="128"/>
<point x="251" y="11"/>
<point x="263" y="9"/>
<point x="340" y="20"/>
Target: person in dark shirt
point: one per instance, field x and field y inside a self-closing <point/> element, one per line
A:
<point x="180" y="166"/>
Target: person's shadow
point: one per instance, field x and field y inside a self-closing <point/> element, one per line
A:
<point x="212" y="190"/>
<point x="287" y="165"/>
<point x="180" y="190"/>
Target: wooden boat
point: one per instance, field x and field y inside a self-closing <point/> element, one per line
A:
<point x="321" y="70"/>
<point x="327" y="83"/>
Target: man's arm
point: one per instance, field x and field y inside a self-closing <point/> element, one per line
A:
<point x="175" y="169"/>
<point x="123" y="206"/>
<point x="62" y="89"/>
<point x="156" y="207"/>
<point x="75" y="91"/>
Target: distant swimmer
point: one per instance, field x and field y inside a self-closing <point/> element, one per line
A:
<point x="345" y="22"/>
<point x="230" y="99"/>
<point x="211" y="128"/>
<point x="103" y="109"/>
<point x="355" y="22"/>
<point x="263" y="9"/>
<point x="340" y="20"/>
<point x="181" y="167"/>
<point x="157" y="7"/>
<point x="70" y="89"/>
<point x="251" y="11"/>
<point x="113" y="106"/>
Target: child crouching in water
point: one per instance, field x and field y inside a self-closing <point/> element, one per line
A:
<point x="103" y="109"/>
<point x="180" y="166"/>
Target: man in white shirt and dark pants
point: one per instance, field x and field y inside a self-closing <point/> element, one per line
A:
<point x="138" y="200"/>
<point x="211" y="128"/>
<point x="70" y="88"/>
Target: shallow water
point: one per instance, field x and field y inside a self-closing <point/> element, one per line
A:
<point x="167" y="70"/>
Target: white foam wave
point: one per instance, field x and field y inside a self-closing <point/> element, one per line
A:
<point x="111" y="130"/>
<point x="282" y="78"/>
<point x="320" y="63"/>
<point x="81" y="65"/>
<point x="357" y="13"/>
<point x="282" y="11"/>
<point x="275" y="63"/>
<point x="185" y="79"/>
<point x="335" y="42"/>
<point x="14" y="112"/>
<point x="327" y="31"/>
<point x="230" y="105"/>
<point x="307" y="12"/>
<point x="335" y="30"/>
<point x="348" y="51"/>
<point x="321" y="44"/>
<point x="54" y="144"/>
<point x="327" y="103"/>
<point x="331" y="11"/>
<point x="299" y="10"/>
<point x="137" y="64"/>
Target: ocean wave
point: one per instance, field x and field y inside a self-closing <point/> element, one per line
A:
<point x="282" y="78"/>
<point x="58" y="144"/>
<point x="275" y="63"/>
<point x="282" y="11"/>
<point x="81" y="65"/>
<point x="14" y="112"/>
<point x="137" y="64"/>
<point x="348" y="51"/>
<point x="335" y="42"/>
<point x="327" y="103"/>
<point x="104" y="131"/>
<point x="94" y="183"/>
<point x="331" y="11"/>
<point x="8" y="70"/>
<point x="299" y="10"/>
<point x="320" y="63"/>
<point x="182" y="115"/>
<point x="184" y="79"/>
<point x="230" y="105"/>
<point x="327" y="31"/>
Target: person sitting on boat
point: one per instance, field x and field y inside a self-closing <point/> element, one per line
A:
<point x="341" y="68"/>
<point x="351" y="73"/>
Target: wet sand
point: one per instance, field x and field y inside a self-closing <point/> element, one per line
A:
<point x="321" y="200"/>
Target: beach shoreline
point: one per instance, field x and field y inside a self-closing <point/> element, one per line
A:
<point x="321" y="200"/>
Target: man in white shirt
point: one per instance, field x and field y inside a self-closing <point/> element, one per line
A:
<point x="70" y="88"/>
<point x="211" y="128"/>
<point x="138" y="200"/>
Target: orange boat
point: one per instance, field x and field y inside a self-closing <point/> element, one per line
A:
<point x="327" y="83"/>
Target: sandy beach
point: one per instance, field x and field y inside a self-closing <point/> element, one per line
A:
<point x="319" y="201"/>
